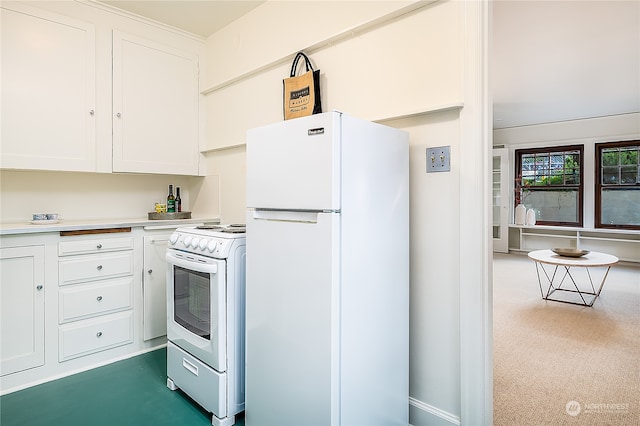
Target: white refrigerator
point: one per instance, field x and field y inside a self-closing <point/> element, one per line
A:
<point x="327" y="285"/>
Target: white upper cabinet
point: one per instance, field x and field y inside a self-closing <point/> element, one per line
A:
<point x="155" y="107"/>
<point x="48" y="91"/>
<point x="78" y="93"/>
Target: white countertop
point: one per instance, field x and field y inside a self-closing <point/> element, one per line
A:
<point x="75" y="225"/>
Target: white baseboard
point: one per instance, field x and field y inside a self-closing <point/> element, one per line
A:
<point x="422" y="414"/>
<point x="79" y="370"/>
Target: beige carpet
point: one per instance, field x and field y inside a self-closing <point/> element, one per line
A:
<point x="560" y="364"/>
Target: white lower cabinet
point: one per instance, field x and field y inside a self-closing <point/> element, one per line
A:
<point x="22" y="305"/>
<point x="154" y="284"/>
<point x="90" y="336"/>
<point x="92" y="285"/>
<point x="85" y="301"/>
<point x="74" y="300"/>
<point x="81" y="269"/>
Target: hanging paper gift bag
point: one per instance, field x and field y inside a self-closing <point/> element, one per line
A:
<point x="301" y="96"/>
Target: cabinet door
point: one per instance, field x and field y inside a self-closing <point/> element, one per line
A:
<point x="155" y="107"/>
<point x="500" y="197"/>
<point x="21" y="308"/>
<point x="154" y="286"/>
<point x="48" y="91"/>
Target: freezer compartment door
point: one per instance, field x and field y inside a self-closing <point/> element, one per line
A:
<point x="295" y="164"/>
<point x="292" y="311"/>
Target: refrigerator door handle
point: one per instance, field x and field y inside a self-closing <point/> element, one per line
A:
<point x="288" y="215"/>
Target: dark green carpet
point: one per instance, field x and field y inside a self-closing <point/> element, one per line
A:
<point x="128" y="392"/>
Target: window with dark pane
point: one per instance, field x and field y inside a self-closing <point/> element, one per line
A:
<point x="549" y="181"/>
<point x="617" y="200"/>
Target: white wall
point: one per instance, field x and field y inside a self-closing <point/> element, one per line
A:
<point x="419" y="66"/>
<point x="411" y="65"/>
<point x="585" y="132"/>
<point x="93" y="196"/>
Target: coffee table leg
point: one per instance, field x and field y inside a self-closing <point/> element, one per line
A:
<point x="576" y="286"/>
<point x="550" y="279"/>
<point x="538" y="267"/>
<point x="597" y="294"/>
<point x="567" y="273"/>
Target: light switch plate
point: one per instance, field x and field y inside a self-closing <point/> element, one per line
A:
<point x="439" y="159"/>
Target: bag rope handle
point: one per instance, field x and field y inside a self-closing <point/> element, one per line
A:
<point x="294" y="65"/>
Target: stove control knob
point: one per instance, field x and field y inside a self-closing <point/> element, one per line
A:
<point x="203" y="243"/>
<point x="173" y="238"/>
<point x="195" y="242"/>
<point x="211" y="246"/>
<point x="187" y="241"/>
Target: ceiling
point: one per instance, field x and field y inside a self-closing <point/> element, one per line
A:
<point x="564" y="60"/>
<point x="201" y="17"/>
<point x="551" y="60"/>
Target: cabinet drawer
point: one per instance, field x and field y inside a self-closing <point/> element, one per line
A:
<point x="84" y="301"/>
<point x="95" y="267"/>
<point x="204" y="384"/>
<point x="94" y="335"/>
<point x="98" y="245"/>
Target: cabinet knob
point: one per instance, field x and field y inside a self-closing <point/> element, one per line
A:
<point x="99" y="246"/>
<point x="39" y="287"/>
<point x="92" y="112"/>
<point x="99" y="298"/>
<point x="118" y="115"/>
<point x="150" y="271"/>
<point x="99" y="333"/>
<point x="99" y="267"/>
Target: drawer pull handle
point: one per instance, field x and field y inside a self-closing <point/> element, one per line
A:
<point x="99" y="267"/>
<point x="39" y="287"/>
<point x="99" y="298"/>
<point x="193" y="369"/>
<point x="99" y="246"/>
<point x="99" y="334"/>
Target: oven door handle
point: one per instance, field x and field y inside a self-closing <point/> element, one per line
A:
<point x="192" y="265"/>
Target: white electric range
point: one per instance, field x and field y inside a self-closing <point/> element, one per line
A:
<point x="205" y="317"/>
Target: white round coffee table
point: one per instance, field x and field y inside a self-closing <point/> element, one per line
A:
<point x="554" y="280"/>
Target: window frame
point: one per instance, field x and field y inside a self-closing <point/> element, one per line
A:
<point x="579" y="187"/>
<point x="599" y="147"/>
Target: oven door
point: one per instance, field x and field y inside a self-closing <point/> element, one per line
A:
<point x="196" y="306"/>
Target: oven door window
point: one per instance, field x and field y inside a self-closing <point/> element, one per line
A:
<point x="192" y="301"/>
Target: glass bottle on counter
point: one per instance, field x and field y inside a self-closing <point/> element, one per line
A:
<point x="178" y="200"/>
<point x="171" y="201"/>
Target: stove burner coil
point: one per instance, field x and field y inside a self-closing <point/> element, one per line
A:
<point x="235" y="228"/>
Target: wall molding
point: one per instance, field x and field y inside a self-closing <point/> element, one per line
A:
<point x="433" y="412"/>
<point x="222" y="148"/>
<point x="426" y="111"/>
<point x="135" y="17"/>
<point x="429" y="110"/>
<point x="341" y="36"/>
